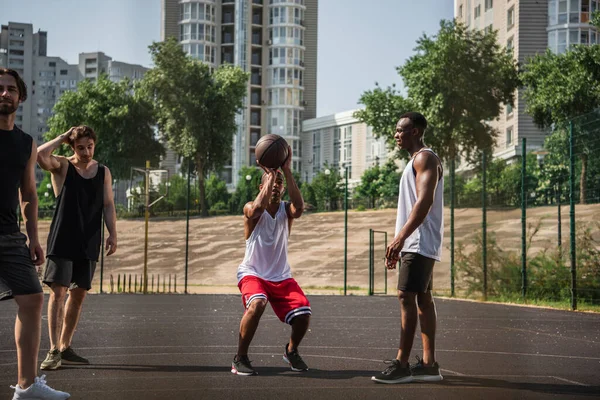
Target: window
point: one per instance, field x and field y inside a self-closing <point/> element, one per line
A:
<point x="509" y="110"/>
<point x="562" y="11"/>
<point x="552" y="15"/>
<point x="489" y="28"/>
<point x="478" y="11"/>
<point x="574" y="11"/>
<point x="510" y="43"/>
<point x="64" y="72"/>
<point x="510" y="18"/>
<point x="509" y="136"/>
<point x="573" y="37"/>
<point x="561" y="46"/>
<point x="52" y="64"/>
<point x="460" y="11"/>
<point x="489" y="4"/>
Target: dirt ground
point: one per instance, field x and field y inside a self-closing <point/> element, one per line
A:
<point x="316" y="249"/>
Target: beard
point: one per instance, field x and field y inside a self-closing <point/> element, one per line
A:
<point x="7" y="108"/>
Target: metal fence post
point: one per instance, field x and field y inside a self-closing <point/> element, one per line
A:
<point x="524" y="216"/>
<point x="572" y="219"/>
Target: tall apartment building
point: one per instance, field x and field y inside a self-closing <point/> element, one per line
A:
<point x="47" y="78"/>
<point x="528" y="27"/>
<point x="273" y="40"/>
<point x="340" y="141"/>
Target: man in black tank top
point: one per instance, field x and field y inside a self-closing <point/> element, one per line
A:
<point x="83" y="190"/>
<point x="18" y="274"/>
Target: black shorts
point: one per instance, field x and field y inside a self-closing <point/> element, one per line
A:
<point x="18" y="275"/>
<point x="415" y="273"/>
<point x="69" y="273"/>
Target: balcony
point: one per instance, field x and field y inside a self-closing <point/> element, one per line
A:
<point x="227" y="18"/>
<point x="256" y="39"/>
<point x="257" y="19"/>
<point x="257" y="2"/>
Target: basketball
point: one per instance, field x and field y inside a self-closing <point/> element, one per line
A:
<point x="271" y="151"/>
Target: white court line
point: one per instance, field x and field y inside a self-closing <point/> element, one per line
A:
<point x="548" y="334"/>
<point x="569" y="381"/>
<point x="333" y="348"/>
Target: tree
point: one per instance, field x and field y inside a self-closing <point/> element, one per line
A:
<point x="46" y="202"/>
<point x="560" y="87"/>
<point x="121" y="118"/>
<point x="195" y="107"/>
<point x="217" y="195"/>
<point x="459" y="79"/>
<point x="247" y="189"/>
<point x="368" y="187"/>
<point x="383" y="109"/>
<point x="328" y="188"/>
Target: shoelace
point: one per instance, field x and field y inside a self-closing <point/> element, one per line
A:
<point x="39" y="382"/>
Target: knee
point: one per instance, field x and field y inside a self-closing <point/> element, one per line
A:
<point x="58" y="293"/>
<point x="77" y="295"/>
<point x="301" y="320"/>
<point x="31" y="302"/>
<point x="425" y="301"/>
<point x="407" y="299"/>
<point x="257" y="307"/>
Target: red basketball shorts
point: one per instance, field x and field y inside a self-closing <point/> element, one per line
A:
<point x="286" y="297"/>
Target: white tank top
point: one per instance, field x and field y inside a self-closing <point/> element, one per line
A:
<point x="267" y="248"/>
<point x="427" y="238"/>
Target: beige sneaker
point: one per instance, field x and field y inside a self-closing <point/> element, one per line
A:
<point x="52" y="361"/>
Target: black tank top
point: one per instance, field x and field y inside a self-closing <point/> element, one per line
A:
<point x="75" y="232"/>
<point x="15" y="151"/>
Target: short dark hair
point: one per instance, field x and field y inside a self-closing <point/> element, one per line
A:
<point x="20" y="84"/>
<point x="81" y="131"/>
<point x="418" y="120"/>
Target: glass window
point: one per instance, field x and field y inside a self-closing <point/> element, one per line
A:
<point x="552" y="16"/>
<point x="585" y="37"/>
<point x="562" y="11"/>
<point x="552" y="41"/>
<point x="574" y="11"/>
<point x="194" y="14"/>
<point x="561" y="45"/>
<point x="573" y="37"/>
<point x="489" y="4"/>
<point x="509" y="136"/>
<point x="510" y="43"/>
<point x="510" y="18"/>
<point x="509" y="110"/>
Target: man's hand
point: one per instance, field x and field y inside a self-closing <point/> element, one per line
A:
<point x="37" y="253"/>
<point x="65" y="136"/>
<point x="271" y="172"/>
<point x="287" y="164"/>
<point x="392" y="254"/>
<point x="111" y="245"/>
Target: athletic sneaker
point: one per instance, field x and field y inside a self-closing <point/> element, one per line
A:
<point x="294" y="359"/>
<point x="39" y="390"/>
<point x="395" y="373"/>
<point x="52" y="361"/>
<point x="242" y="365"/>
<point x="420" y="372"/>
<point x="69" y="357"/>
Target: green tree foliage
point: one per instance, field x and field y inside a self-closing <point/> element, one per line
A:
<point x="379" y="182"/>
<point x="328" y="189"/>
<point x="246" y="190"/>
<point x="195" y="107"/>
<point x="121" y="118"/>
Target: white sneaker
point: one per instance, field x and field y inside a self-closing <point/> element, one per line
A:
<point x="39" y="391"/>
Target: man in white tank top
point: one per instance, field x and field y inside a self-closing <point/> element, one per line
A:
<point x="417" y="245"/>
<point x="264" y="275"/>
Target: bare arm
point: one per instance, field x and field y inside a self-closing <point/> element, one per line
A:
<point x="297" y="202"/>
<point x="254" y="209"/>
<point x="427" y="167"/>
<point x="45" y="158"/>
<point x="110" y="213"/>
<point x="29" y="207"/>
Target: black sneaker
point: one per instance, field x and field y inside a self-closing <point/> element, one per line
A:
<point x="294" y="359"/>
<point x="69" y="357"/>
<point x="241" y="365"/>
<point x="426" y="374"/>
<point x="395" y="373"/>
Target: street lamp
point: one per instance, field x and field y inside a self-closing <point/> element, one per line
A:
<point x="327" y="172"/>
<point x="345" y="227"/>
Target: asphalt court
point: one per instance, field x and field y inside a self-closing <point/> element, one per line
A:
<point x="181" y="347"/>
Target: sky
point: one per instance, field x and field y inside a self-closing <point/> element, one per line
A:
<point x="360" y="41"/>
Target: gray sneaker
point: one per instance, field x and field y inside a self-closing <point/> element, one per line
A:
<point x="423" y="373"/>
<point x="52" y="361"/>
<point x="242" y="365"/>
<point x="395" y="373"/>
<point x="69" y="357"/>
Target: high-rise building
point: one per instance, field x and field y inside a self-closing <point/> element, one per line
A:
<point x="340" y="141"/>
<point x="275" y="41"/>
<point x="527" y="28"/>
<point x="47" y="78"/>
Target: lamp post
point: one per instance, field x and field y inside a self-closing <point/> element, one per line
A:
<point x="248" y="189"/>
<point x="346" y="229"/>
<point x="327" y="172"/>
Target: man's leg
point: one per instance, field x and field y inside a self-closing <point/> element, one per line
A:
<point x="408" y="309"/>
<point x="299" y="328"/>
<point x="71" y="318"/>
<point x="427" y="318"/>
<point x="249" y="324"/>
<point x="28" y="331"/>
<point x="56" y="311"/>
